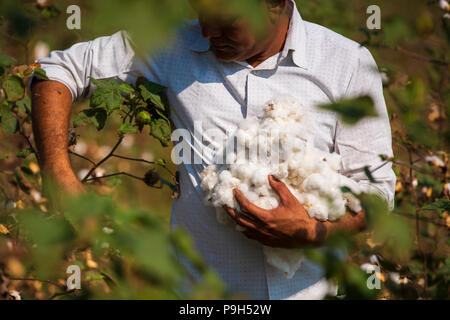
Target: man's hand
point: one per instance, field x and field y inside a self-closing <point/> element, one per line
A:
<point x="289" y="224"/>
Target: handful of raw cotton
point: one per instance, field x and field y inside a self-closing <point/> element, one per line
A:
<point x="279" y="143"/>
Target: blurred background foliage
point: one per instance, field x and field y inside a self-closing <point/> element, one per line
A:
<point x="118" y="234"/>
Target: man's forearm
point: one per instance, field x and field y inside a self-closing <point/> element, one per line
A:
<point x="351" y="222"/>
<point x="51" y="106"/>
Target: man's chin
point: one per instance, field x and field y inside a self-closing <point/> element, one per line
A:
<point x="226" y="56"/>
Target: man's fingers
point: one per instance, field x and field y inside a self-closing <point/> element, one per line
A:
<point x="250" y="208"/>
<point x="281" y="189"/>
<point x="263" y="238"/>
<point x="239" y="219"/>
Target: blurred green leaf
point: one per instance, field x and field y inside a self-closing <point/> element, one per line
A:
<point x="440" y="205"/>
<point x="126" y="128"/>
<point x="6" y="61"/>
<point x="8" y="122"/>
<point x="14" y="88"/>
<point x="352" y="110"/>
<point x="24" y="153"/>
<point x="160" y="129"/>
<point x="106" y="94"/>
<point x="40" y="74"/>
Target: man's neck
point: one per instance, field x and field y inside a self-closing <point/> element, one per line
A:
<point x="277" y="42"/>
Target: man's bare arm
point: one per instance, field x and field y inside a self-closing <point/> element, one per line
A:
<point x="51" y="107"/>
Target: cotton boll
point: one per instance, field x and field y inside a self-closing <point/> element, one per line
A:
<point x="226" y="179"/>
<point x="243" y="188"/>
<point x="280" y="171"/>
<point x="209" y="181"/>
<point x="334" y="161"/>
<point x="243" y="137"/>
<point x="353" y="202"/>
<point x="315" y="182"/>
<point x="267" y="202"/>
<point x="223" y="196"/>
<point x="279" y="143"/>
<point x="251" y="196"/>
<point x="243" y="171"/>
<point x="263" y="190"/>
<point x="260" y="176"/>
<point x="319" y="210"/>
<point x="286" y="260"/>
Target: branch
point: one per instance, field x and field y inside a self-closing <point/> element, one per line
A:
<point x="22" y="133"/>
<point x="103" y="160"/>
<point x="57" y="294"/>
<point x="82" y="157"/>
<point x="420" y="57"/>
<point x="39" y="280"/>
<point x="143" y="160"/>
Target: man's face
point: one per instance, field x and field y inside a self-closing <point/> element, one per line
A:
<point x="232" y="36"/>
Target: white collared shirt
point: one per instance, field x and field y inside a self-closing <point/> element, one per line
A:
<point x="316" y="66"/>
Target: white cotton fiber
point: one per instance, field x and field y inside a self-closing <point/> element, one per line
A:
<point x="278" y="143"/>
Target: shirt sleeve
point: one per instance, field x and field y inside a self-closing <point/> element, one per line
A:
<point x="361" y="145"/>
<point x="102" y="58"/>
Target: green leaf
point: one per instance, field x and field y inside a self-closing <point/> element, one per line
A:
<point x="151" y="91"/>
<point x="126" y="128"/>
<point x="107" y="93"/>
<point x="6" y="61"/>
<point x="4" y="156"/>
<point x="440" y="204"/>
<point x="125" y="87"/>
<point x="24" y="105"/>
<point x="40" y="74"/>
<point x="8" y="122"/>
<point x="80" y="119"/>
<point x="160" y="129"/>
<point x="351" y="111"/>
<point x="14" y="88"/>
<point x="50" y="12"/>
<point x="97" y="116"/>
<point x="150" y="86"/>
<point x="24" y="153"/>
<point x="369" y="175"/>
<point x="100" y="116"/>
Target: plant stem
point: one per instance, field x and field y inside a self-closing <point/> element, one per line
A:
<point x="104" y="159"/>
<point x="82" y="157"/>
<point x="143" y="160"/>
<point x="416" y="205"/>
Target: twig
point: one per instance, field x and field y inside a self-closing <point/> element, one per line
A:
<point x="22" y="133"/>
<point x="115" y="174"/>
<point x="420" y="57"/>
<point x="103" y="160"/>
<point x="39" y="280"/>
<point x="57" y="294"/>
<point x="421" y="219"/>
<point x="126" y="174"/>
<point x="416" y="205"/>
<point x="143" y="160"/>
<point x="82" y="157"/>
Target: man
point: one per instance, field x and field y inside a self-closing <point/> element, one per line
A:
<point x="220" y="71"/>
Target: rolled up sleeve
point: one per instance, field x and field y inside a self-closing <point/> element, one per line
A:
<point x="361" y="145"/>
<point x="104" y="57"/>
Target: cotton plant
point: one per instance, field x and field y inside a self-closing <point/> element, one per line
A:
<point x="278" y="143"/>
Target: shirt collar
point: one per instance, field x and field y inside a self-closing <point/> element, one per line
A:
<point x="295" y="40"/>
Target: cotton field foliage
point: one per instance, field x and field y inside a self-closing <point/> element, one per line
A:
<point x="278" y="143"/>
